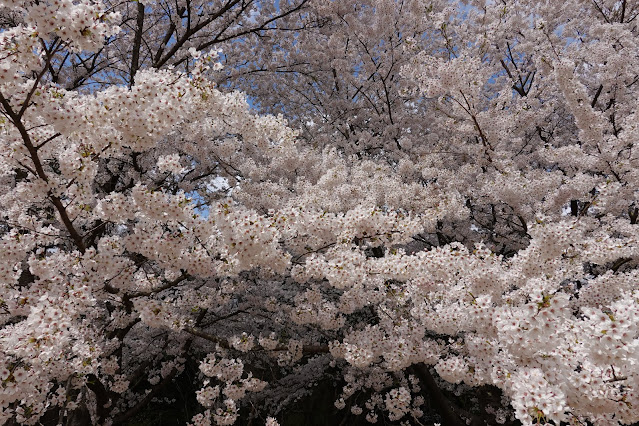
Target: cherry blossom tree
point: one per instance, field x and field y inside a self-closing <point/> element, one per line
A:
<point x="425" y="201"/>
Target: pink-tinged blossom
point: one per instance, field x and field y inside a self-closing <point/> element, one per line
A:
<point x="447" y="205"/>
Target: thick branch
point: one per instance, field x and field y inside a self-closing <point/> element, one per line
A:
<point x="306" y="349"/>
<point x="33" y="152"/>
<point x="137" y="41"/>
<point x="594" y="100"/>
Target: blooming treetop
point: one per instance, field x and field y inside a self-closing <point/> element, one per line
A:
<point x="457" y="209"/>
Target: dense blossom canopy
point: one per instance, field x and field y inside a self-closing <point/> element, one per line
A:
<point x="433" y="203"/>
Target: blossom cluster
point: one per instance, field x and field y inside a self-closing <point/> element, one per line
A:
<point x="465" y="207"/>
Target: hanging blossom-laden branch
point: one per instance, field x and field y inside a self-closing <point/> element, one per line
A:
<point x="457" y="213"/>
